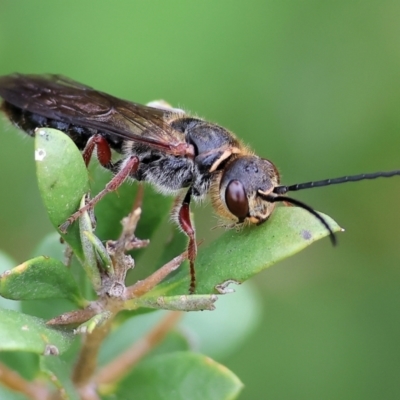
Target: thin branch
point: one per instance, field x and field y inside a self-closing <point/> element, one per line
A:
<point x="127" y="240"/>
<point x="12" y="380"/>
<point x="87" y="359"/>
<point x="88" y="393"/>
<point x="121" y="365"/>
<point x="139" y="197"/>
<point x="142" y="287"/>
<point x="74" y="317"/>
<point x="129" y="224"/>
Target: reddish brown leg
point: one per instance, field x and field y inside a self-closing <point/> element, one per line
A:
<point x="129" y="167"/>
<point x="187" y="227"/>
<point x="103" y="150"/>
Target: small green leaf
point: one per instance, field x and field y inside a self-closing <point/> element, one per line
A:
<point x="101" y="253"/>
<point x="237" y="256"/>
<point x="89" y="262"/>
<point x="62" y="178"/>
<point x="40" y="278"/>
<point x="23" y="332"/>
<point x="179" y="376"/>
<point x="59" y="374"/>
<point x="95" y="322"/>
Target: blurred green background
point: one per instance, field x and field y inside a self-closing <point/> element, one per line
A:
<point x="313" y="86"/>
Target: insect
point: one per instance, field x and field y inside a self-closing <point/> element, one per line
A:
<point x="160" y="145"/>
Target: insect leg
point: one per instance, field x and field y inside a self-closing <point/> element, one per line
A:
<point x="103" y="151"/>
<point x="186" y="224"/>
<point x="128" y="168"/>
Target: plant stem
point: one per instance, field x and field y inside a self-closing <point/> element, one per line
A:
<point x="112" y="299"/>
<point x="87" y="359"/>
<point x="12" y="380"/>
<point x="142" y="287"/>
<point x="119" y="367"/>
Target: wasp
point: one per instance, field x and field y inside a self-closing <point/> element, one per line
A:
<point x="178" y="154"/>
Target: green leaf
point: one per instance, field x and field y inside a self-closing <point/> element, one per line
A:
<point x="179" y="376"/>
<point x="89" y="262"/>
<point x="101" y="254"/>
<point x="237" y="256"/>
<point x="95" y="322"/>
<point x="62" y="178"/>
<point x="27" y="364"/>
<point x="59" y="374"/>
<point x="23" y="332"/>
<point x="40" y="278"/>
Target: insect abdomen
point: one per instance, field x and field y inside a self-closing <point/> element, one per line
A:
<point x="28" y="122"/>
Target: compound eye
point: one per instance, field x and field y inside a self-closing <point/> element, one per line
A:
<point x="236" y="200"/>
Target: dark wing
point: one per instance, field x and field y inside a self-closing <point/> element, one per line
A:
<point x="57" y="97"/>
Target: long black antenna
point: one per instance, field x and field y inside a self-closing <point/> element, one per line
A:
<point x="335" y="181"/>
<point x="273" y="198"/>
